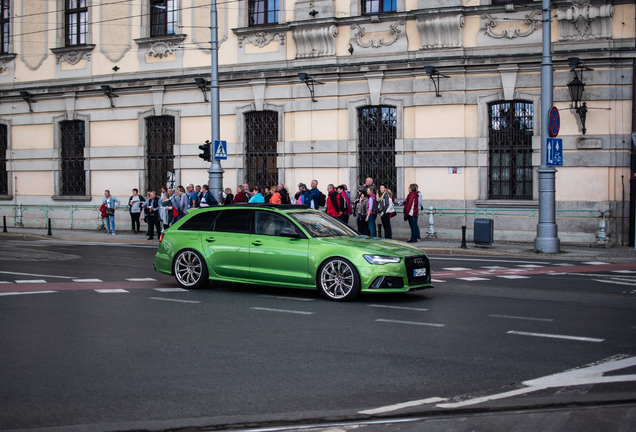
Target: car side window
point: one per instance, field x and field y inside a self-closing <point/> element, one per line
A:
<point x="269" y="223"/>
<point x="234" y="221"/>
<point x="200" y="222"/>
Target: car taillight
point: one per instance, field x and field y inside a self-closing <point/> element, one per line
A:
<point x="160" y="237"/>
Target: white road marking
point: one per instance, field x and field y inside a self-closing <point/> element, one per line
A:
<point x="563" y="264"/>
<point x="493" y="267"/>
<point x="6" y="282"/>
<point x="87" y="280"/>
<point x="174" y="300"/>
<point x="110" y="291"/>
<point x="287" y="298"/>
<point x="553" y="336"/>
<point x="397" y="307"/>
<point x="529" y="265"/>
<point x="141" y="280"/>
<point x="39" y="275"/>
<point x="514" y="277"/>
<point x="31" y="281"/>
<point x="26" y="292"/>
<point x="455" y="268"/>
<point x="615" y="282"/>
<point x="521" y="318"/>
<point x="594" y="263"/>
<point x="623" y="271"/>
<point x="170" y="289"/>
<point x="411" y="323"/>
<point x="437" y="280"/>
<point x="472" y="279"/>
<point x="584" y="376"/>
<point x="283" y="310"/>
<point x="403" y="405"/>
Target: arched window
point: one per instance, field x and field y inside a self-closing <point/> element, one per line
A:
<point x="377" y="130"/>
<point x="73" y="140"/>
<point x="160" y="138"/>
<point x="510" y="130"/>
<point x="261" y="137"/>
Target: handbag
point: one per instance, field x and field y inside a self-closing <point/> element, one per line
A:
<point x="110" y="211"/>
<point x="175" y="212"/>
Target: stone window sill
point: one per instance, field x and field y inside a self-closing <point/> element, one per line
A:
<point x="521" y="204"/>
<point x="6" y="197"/>
<point x="71" y="198"/>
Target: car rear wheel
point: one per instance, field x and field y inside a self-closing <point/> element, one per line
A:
<point x="190" y="269"/>
<point x="338" y="280"/>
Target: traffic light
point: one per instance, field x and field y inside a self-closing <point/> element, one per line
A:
<point x="207" y="151"/>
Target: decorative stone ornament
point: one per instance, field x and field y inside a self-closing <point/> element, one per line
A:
<point x="373" y="43"/>
<point x="584" y="21"/>
<point x="440" y="32"/>
<point x="161" y="49"/>
<point x="531" y="22"/>
<point x="3" y="66"/>
<point x="72" y="55"/>
<point x="261" y="38"/>
<point x="315" y="41"/>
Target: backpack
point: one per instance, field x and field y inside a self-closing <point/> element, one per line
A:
<point x="322" y="199"/>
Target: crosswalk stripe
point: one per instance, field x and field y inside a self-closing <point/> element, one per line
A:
<point x="87" y="280"/>
<point x="472" y="279"/>
<point x="594" y="263"/>
<point x="26" y="292"/>
<point x="514" y="277"/>
<point x="529" y="265"/>
<point x="455" y="268"/>
<point x="170" y="289"/>
<point x="111" y="291"/>
<point x="31" y="281"/>
<point x="141" y="280"/>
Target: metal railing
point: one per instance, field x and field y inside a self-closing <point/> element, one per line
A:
<point x="17" y="211"/>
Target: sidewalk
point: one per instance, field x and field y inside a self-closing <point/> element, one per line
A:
<point x="432" y="247"/>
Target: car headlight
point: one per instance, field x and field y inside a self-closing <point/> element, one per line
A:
<point x="381" y="260"/>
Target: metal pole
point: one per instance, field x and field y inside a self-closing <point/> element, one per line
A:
<point x="215" y="173"/>
<point x="547" y="230"/>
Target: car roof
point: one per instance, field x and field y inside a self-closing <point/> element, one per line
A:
<point x="282" y="207"/>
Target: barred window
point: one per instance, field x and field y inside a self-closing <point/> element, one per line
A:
<point x="76" y="27"/>
<point x="263" y="12"/>
<point x="377" y="130"/>
<point x="261" y="137"/>
<point x="73" y="135"/>
<point x="378" y="6"/>
<point x="5" y="26"/>
<point x="510" y="126"/>
<point x="4" y="179"/>
<point x="163" y="17"/>
<point x="160" y="152"/>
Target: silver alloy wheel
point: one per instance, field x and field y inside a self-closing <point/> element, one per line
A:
<point x="188" y="268"/>
<point x="337" y="279"/>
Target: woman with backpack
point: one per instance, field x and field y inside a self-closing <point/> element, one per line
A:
<point x="386" y="210"/>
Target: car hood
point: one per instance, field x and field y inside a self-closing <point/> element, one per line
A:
<point x="371" y="245"/>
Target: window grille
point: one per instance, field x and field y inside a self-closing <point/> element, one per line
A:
<point x="76" y="22"/>
<point x="378" y="6"/>
<point x="377" y="130"/>
<point x="510" y="150"/>
<point x="263" y="12"/>
<point x="5" y="26"/>
<point x="163" y="17"/>
<point x="261" y="137"/>
<point x="4" y="186"/>
<point x="73" y="135"/>
<point x="159" y="152"/>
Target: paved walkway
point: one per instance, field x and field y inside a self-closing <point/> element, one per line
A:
<point x="436" y="246"/>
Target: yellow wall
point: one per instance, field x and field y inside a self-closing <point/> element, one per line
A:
<point x="470" y="31"/>
<point x="35" y="183"/>
<point x="119" y="183"/>
<point x="316" y="125"/>
<point x="570" y="179"/>
<point x="102" y="133"/>
<point x="623" y="21"/>
<point x="32" y="137"/>
<point x="440" y="121"/>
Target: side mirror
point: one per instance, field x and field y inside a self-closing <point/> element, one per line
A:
<point x="289" y="232"/>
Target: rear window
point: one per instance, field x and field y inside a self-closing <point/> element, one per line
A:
<point x="234" y="221"/>
<point x="200" y="222"/>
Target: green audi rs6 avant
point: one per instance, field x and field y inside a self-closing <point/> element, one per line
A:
<point x="287" y="246"/>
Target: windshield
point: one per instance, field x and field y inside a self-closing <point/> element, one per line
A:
<point x="321" y="225"/>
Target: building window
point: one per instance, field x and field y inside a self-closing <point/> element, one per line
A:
<point x="163" y="17"/>
<point x="263" y="12"/>
<point x="73" y="135"/>
<point x="5" y="26"/>
<point x="160" y="152"/>
<point x="378" y="6"/>
<point x="510" y="150"/>
<point x="261" y="136"/>
<point x="76" y="22"/>
<point x="4" y="178"/>
<point x="377" y="130"/>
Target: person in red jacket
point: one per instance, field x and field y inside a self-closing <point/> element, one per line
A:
<point x="411" y="211"/>
<point x="241" y="196"/>
<point x="333" y="202"/>
<point x="345" y="204"/>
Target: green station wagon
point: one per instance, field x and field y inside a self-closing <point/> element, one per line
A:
<point x="287" y="246"/>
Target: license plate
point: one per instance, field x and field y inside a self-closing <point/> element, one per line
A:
<point x="419" y="272"/>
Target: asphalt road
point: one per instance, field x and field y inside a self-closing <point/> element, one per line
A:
<point x="91" y="338"/>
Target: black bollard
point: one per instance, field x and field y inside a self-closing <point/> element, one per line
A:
<point x="4" y="224"/>
<point x="463" y="246"/>
<point x="49" y="232"/>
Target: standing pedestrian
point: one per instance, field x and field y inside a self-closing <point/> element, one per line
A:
<point x="386" y="210"/>
<point x="345" y="204"/>
<point x="241" y="195"/>
<point x="333" y="202"/>
<point x="207" y="200"/>
<point x="284" y="194"/>
<point x="183" y="202"/>
<point x="166" y="210"/>
<point x="229" y="197"/>
<point x="361" y="212"/>
<point x="151" y="209"/>
<point x="314" y="195"/>
<point x="301" y="196"/>
<point x="111" y="204"/>
<point x="135" y="203"/>
<point x="267" y="194"/>
<point x="257" y="197"/>
<point x="371" y="209"/>
<point x="420" y="207"/>
<point x="276" y="198"/>
<point x="411" y="212"/>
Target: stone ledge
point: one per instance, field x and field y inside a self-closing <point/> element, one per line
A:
<point x="6" y="197"/>
<point x="507" y="204"/>
<point x="71" y="198"/>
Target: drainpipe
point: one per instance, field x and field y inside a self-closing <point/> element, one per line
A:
<point x="632" y="172"/>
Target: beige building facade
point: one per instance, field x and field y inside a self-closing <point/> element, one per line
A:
<point x="99" y="95"/>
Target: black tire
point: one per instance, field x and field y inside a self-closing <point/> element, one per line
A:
<point x="338" y="280"/>
<point x="190" y="270"/>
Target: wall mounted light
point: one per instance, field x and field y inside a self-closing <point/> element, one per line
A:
<point x="434" y="75"/>
<point x="576" y="88"/>
<point x="202" y="84"/>
<point x="26" y="96"/>
<point x="108" y="91"/>
<point x="310" y="81"/>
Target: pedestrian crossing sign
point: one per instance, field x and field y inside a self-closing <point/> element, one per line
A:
<point x="220" y="150"/>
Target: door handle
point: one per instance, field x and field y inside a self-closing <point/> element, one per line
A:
<point x="210" y="239"/>
<point x="257" y="243"/>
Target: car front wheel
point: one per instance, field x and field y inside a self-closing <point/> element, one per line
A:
<point x="190" y="269"/>
<point x="339" y="280"/>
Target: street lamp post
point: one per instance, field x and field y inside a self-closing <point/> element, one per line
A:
<point x="215" y="173"/>
<point x="547" y="240"/>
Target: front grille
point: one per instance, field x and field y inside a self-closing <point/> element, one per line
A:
<point x="417" y="262"/>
